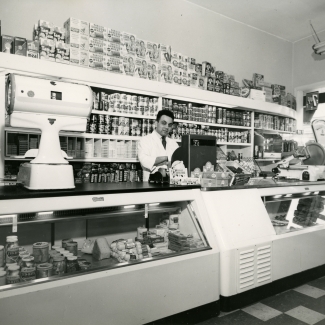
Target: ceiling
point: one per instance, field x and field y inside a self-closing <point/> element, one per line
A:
<point x="287" y="19"/>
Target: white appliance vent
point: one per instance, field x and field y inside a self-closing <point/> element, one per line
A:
<point x="254" y="266"/>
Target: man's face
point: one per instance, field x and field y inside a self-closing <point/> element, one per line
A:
<point x="164" y="125"/>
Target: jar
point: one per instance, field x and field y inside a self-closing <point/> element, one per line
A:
<point x="27" y="274"/>
<point x="2" y="255"/>
<point x="21" y="256"/>
<point x="27" y="261"/>
<point x="52" y="254"/>
<point x="12" y="249"/>
<point x="61" y="251"/>
<point x="69" y="240"/>
<point x="12" y="279"/>
<point x="3" y="280"/>
<point x="72" y="264"/>
<point x="55" y="247"/>
<point x="58" y="265"/>
<point x="41" y="252"/>
<point x="73" y="248"/>
<point x="44" y="270"/>
<point x="13" y="270"/>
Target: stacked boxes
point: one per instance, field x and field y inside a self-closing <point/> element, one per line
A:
<point x="7" y="44"/>
<point x="267" y="88"/>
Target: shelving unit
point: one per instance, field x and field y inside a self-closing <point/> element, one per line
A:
<point x="127" y="84"/>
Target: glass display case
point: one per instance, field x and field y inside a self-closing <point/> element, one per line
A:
<point x="295" y="212"/>
<point x="101" y="238"/>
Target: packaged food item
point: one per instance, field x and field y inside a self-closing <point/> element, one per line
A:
<point x="97" y="31"/>
<point x="72" y="25"/>
<point x="258" y="81"/>
<point x="113" y="35"/>
<point x="141" y="68"/>
<point x="35" y="32"/>
<point x="12" y="250"/>
<point x="47" y="49"/>
<point x="45" y="30"/>
<point x="27" y="273"/>
<point x="207" y="69"/>
<point x="128" y="64"/>
<point x="27" y="261"/>
<point x="72" y="247"/>
<point x="210" y="83"/>
<point x="3" y="275"/>
<point x="84" y="58"/>
<point x="176" y="76"/>
<point x="41" y="252"/>
<point x="59" y="265"/>
<point x="165" y="53"/>
<point x="97" y="61"/>
<point x="198" y="69"/>
<point x="101" y="249"/>
<point x="7" y="44"/>
<point x="202" y="83"/>
<point x="44" y="270"/>
<point x="97" y="46"/>
<point x="83" y="43"/>
<point x="59" y="34"/>
<point x="84" y="27"/>
<point x="74" y="56"/>
<point x="62" y="52"/>
<point x="65" y="241"/>
<point x="166" y="73"/>
<point x="113" y="49"/>
<point x="153" y="71"/>
<point x="152" y="54"/>
<point x="191" y="64"/>
<point x="72" y="264"/>
<point x="114" y="64"/>
<point x="140" y="48"/>
<point x="73" y="39"/>
<point x="128" y="42"/>
<point x="20" y="46"/>
<point x="175" y="59"/>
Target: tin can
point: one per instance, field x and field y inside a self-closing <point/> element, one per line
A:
<point x="72" y="264"/>
<point x="121" y="130"/>
<point x="115" y="121"/>
<point x="58" y="265"/>
<point x="12" y="279"/>
<point x="93" y="118"/>
<point x="121" y="121"/>
<point x="13" y="270"/>
<point x="72" y="247"/>
<point x="27" y="261"/>
<point x="93" y="128"/>
<point x="41" y="252"/>
<point x="65" y="241"/>
<point x="115" y="130"/>
<point x="107" y="129"/>
<point x="126" y="130"/>
<point x="101" y="119"/>
<point x="219" y="119"/>
<point x="12" y="249"/>
<point x="27" y="274"/>
<point x="101" y="129"/>
<point x="44" y="270"/>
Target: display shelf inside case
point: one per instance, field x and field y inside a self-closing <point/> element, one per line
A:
<point x="132" y="234"/>
<point x="292" y="213"/>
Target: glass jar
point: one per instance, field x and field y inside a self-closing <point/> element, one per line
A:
<point x="69" y="240"/>
<point x="12" y="249"/>
<point x="52" y="254"/>
<point x="44" y="270"/>
<point x="73" y="248"/>
<point x="27" y="261"/>
<point x="72" y="264"/>
<point x="21" y="256"/>
<point x="58" y="265"/>
<point x="41" y="252"/>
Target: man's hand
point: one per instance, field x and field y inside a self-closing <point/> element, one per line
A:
<point x="162" y="160"/>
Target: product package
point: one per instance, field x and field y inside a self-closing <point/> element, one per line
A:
<point x="218" y="86"/>
<point x="74" y="56"/>
<point x="84" y="58"/>
<point x="211" y="83"/>
<point x="165" y="73"/>
<point x="277" y="91"/>
<point x="258" y="81"/>
<point x="59" y="34"/>
<point x="141" y="68"/>
<point x="202" y="83"/>
<point x="20" y="46"/>
<point x="62" y="52"/>
<point x="164" y="53"/>
<point x="191" y="63"/>
<point x="193" y="79"/>
<point x="84" y="27"/>
<point x="97" y="31"/>
<point x="45" y="30"/>
<point x="72" y="25"/>
<point x="35" y="32"/>
<point x="7" y="44"/>
<point x="207" y="69"/>
<point x="83" y="42"/>
<point x="140" y="48"/>
<point x="73" y="39"/>
<point x="97" y="61"/>
<point x="257" y="94"/>
<point x="114" y="64"/>
<point x="47" y="49"/>
<point x="113" y="35"/>
<point x="184" y="62"/>
<point x="113" y="49"/>
<point x="153" y="71"/>
<point x="128" y="42"/>
<point x="33" y="49"/>
<point x="198" y="69"/>
<point x="184" y="78"/>
<point x="176" y="76"/>
<point x="175" y="59"/>
<point x="152" y="52"/>
<point x="128" y="64"/>
<point x="97" y="46"/>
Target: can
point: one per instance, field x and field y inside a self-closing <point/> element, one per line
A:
<point x="12" y="249"/>
<point x="72" y="247"/>
<point x="219" y="119"/>
<point x="44" y="270"/>
<point x="13" y="270"/>
<point x="27" y="274"/>
<point x="114" y="121"/>
<point x="107" y="129"/>
<point x="93" y="118"/>
<point x="101" y="129"/>
<point x="12" y="279"/>
<point x="41" y="252"/>
<point x="93" y="128"/>
<point x="65" y="241"/>
<point x="27" y="261"/>
<point x="101" y="119"/>
<point x="126" y="130"/>
<point x="121" y="130"/>
<point x="59" y="265"/>
<point x="115" y="130"/>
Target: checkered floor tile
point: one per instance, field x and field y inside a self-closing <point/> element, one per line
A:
<point x="299" y="306"/>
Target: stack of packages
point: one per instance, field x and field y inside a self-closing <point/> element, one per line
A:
<point x="308" y="211"/>
<point x="267" y="88"/>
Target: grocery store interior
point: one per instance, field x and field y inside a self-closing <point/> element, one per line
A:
<point x="229" y="227"/>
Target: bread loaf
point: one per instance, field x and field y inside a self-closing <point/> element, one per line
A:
<point x="101" y="249"/>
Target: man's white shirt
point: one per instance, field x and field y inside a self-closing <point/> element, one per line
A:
<point x="150" y="147"/>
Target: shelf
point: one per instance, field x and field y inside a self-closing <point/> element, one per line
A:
<point x="274" y="131"/>
<point x="215" y="125"/>
<point x="267" y="159"/>
<point x="94" y="111"/>
<point x="234" y="144"/>
<point x="36" y="67"/>
<point x="99" y="160"/>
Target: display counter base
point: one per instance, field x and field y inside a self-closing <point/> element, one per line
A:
<point x="192" y="316"/>
<point x="249" y="297"/>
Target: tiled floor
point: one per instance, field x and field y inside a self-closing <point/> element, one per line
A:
<point x="299" y="306"/>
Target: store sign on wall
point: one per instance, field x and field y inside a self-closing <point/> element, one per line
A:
<point x="312" y="100"/>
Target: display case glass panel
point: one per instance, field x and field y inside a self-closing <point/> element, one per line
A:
<point x="293" y="212"/>
<point x="102" y="238"/>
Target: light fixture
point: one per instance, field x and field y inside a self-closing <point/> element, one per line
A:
<point x="129" y="206"/>
<point x="317" y="192"/>
<point x="288" y="195"/>
<point x="277" y="196"/>
<point x="44" y="213"/>
<point x="153" y="204"/>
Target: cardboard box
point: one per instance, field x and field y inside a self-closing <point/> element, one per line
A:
<point x="7" y="44"/>
<point x="258" y="81"/>
<point x="20" y="46"/>
<point x="84" y="58"/>
<point x="153" y="71"/>
<point x="140" y="48"/>
<point x="97" y="46"/>
<point x="84" y="27"/>
<point x="202" y="83"/>
<point x="59" y="34"/>
<point x="141" y="68"/>
<point x="218" y="86"/>
<point x="164" y="53"/>
<point x="62" y="53"/>
<point x="175" y="59"/>
<point x="83" y="42"/>
<point x="72" y="25"/>
<point x="47" y="49"/>
<point x="207" y="69"/>
<point x="33" y="49"/>
<point x="176" y="76"/>
<point x="152" y="54"/>
<point x="191" y="65"/>
<point x="193" y="79"/>
<point x="257" y="94"/>
<point x="98" y="31"/>
<point x="113" y="35"/>
<point x="74" y="56"/>
<point x="128" y="42"/>
<point x="35" y="32"/>
<point x="113" y="49"/>
<point x="97" y="61"/>
<point x="184" y="78"/>
<point x="128" y="65"/>
<point x="198" y="69"/>
<point x="114" y="65"/>
<point x="211" y="83"/>
<point x="165" y="73"/>
<point x="73" y="39"/>
<point x="45" y="29"/>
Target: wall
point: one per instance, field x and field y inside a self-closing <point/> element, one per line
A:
<point x="308" y="67"/>
<point x="231" y="46"/>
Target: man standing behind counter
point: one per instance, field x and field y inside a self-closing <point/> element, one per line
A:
<point x="156" y="148"/>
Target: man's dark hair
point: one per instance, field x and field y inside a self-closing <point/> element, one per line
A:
<point x="164" y="112"/>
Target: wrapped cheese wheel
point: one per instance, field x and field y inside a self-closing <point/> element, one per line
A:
<point x="101" y="249"/>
